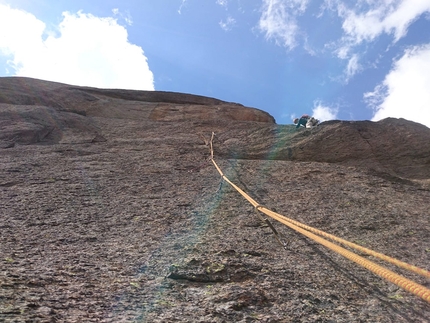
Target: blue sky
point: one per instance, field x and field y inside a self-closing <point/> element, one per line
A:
<point x="334" y="59"/>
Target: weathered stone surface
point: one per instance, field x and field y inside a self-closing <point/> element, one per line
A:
<point x="117" y="215"/>
<point x="126" y="104"/>
<point x="394" y="147"/>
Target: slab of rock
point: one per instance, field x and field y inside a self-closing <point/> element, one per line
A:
<point x="111" y="210"/>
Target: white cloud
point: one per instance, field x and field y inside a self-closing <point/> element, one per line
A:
<point x="323" y="112"/>
<point x="405" y="91"/>
<point x="88" y="50"/>
<point x="228" y="24"/>
<point x="183" y="4"/>
<point x="222" y="3"/>
<point x="126" y="16"/>
<point x="352" y="67"/>
<point x="279" y="20"/>
<point x="389" y="16"/>
<point x="21" y="31"/>
<point x="365" y="20"/>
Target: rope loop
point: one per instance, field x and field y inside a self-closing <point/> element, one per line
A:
<point x="257" y="207"/>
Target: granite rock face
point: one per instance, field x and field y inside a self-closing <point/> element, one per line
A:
<point x="110" y="210"/>
<point x="392" y="147"/>
<point x="34" y="111"/>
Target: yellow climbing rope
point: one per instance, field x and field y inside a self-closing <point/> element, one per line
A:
<point x="316" y="234"/>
